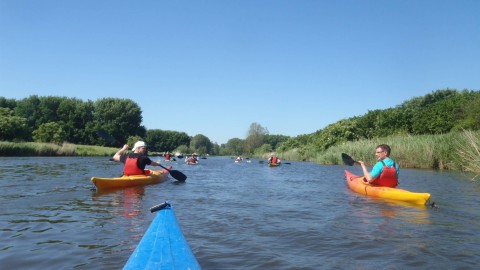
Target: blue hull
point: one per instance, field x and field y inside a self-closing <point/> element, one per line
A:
<point x="163" y="246"/>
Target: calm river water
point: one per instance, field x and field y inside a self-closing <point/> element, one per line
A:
<point x="234" y="216"/>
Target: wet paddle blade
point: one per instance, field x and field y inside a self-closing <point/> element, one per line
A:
<point x="178" y="175"/>
<point x="175" y="174"/>
<point x="348" y="160"/>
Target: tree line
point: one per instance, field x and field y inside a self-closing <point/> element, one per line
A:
<point x="114" y="121"/>
<point x="440" y="112"/>
<point x="105" y="122"/>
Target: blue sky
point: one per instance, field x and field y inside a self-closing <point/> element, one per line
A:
<point x="214" y="67"/>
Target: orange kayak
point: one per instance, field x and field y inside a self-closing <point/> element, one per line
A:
<point x="132" y="180"/>
<point x="357" y="184"/>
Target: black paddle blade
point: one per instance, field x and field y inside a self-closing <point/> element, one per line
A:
<point x="348" y="160"/>
<point x="178" y="175"/>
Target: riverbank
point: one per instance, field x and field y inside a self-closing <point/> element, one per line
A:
<point x="51" y="149"/>
<point x="458" y="151"/>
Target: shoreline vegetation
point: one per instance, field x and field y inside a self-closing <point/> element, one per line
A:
<point x="51" y="149"/>
<point x="457" y="151"/>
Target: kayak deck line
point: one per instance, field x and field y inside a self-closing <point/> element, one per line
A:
<point x="163" y="246"/>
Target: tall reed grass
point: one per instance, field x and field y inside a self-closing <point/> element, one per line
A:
<point x="425" y="151"/>
<point x="469" y="152"/>
<point x="458" y="151"/>
<point x="51" y="149"/>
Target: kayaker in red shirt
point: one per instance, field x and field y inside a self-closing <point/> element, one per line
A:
<point x="386" y="170"/>
<point x="167" y="156"/>
<point x="135" y="162"/>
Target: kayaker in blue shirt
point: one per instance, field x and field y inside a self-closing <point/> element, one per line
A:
<point x="135" y="162"/>
<point x="385" y="171"/>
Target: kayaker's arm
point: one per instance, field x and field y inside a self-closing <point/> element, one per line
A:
<point x="119" y="153"/>
<point x="366" y="174"/>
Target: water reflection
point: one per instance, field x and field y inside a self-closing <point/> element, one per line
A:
<point x="389" y="209"/>
<point x="129" y="200"/>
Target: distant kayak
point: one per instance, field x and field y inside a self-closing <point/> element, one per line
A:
<point x="274" y="164"/>
<point x="163" y="246"/>
<point x="132" y="180"/>
<point x="357" y="184"/>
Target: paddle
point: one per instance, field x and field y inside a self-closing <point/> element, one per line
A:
<point x="175" y="174"/>
<point x="262" y="161"/>
<point x="348" y="160"/>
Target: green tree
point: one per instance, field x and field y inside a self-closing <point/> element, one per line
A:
<point x="201" y="144"/>
<point x="182" y="149"/>
<point x="28" y="108"/>
<point x="274" y="140"/>
<point x="255" y="137"/>
<point x="12" y="128"/>
<point x="9" y="103"/>
<point x="119" y="118"/>
<point x="49" y="132"/>
<point x="165" y="140"/>
<point x="441" y="116"/>
<point x="471" y="115"/>
<point x="265" y="148"/>
<point x="234" y="146"/>
<point x="341" y="131"/>
<point x="76" y="119"/>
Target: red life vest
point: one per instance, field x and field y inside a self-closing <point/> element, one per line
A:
<point x="388" y="177"/>
<point x="131" y="167"/>
<point x="274" y="160"/>
<point x="167" y="157"/>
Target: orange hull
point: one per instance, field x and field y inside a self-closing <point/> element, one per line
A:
<point x="357" y="184"/>
<point x="132" y="180"/>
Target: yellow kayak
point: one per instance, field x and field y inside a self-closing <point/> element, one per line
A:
<point x="357" y="184"/>
<point x="154" y="177"/>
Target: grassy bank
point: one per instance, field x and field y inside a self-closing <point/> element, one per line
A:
<point x="458" y="151"/>
<point x="51" y="149"/>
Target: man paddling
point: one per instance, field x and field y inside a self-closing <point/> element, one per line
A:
<point x="274" y="160"/>
<point x="385" y="171"/>
<point x="135" y="162"/>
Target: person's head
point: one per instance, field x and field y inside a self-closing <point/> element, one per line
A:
<point x="382" y="151"/>
<point x="139" y="147"/>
